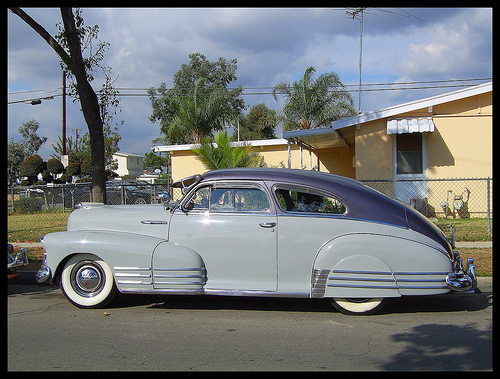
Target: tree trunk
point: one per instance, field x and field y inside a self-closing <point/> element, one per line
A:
<point x="90" y="107"/>
<point x="88" y="98"/>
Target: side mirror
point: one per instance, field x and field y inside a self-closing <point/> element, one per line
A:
<point x="165" y="197"/>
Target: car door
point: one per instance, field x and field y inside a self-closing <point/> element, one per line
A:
<point x="233" y="227"/>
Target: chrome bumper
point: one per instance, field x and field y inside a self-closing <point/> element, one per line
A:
<point x="44" y="273"/>
<point x="20" y="260"/>
<point x="462" y="279"/>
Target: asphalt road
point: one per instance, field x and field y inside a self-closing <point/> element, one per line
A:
<point x="46" y="332"/>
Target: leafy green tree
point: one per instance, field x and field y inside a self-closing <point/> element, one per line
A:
<point x="198" y="114"/>
<point x="218" y="153"/>
<point x="79" y="150"/>
<point x="75" y="38"/>
<point x="74" y="169"/>
<point x="314" y="103"/>
<point x="199" y="102"/>
<point x="55" y="166"/>
<point x="17" y="152"/>
<point x="259" y="123"/>
<point x="153" y="161"/>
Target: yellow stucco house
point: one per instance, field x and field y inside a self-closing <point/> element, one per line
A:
<point x="444" y="136"/>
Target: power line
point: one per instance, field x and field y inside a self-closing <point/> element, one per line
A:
<point x="268" y="90"/>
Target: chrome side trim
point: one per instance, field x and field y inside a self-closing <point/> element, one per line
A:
<point x="122" y="268"/>
<point x="380" y="280"/>
<point x="132" y="275"/>
<point x="419" y="273"/>
<point x="318" y="284"/>
<point x="171" y="291"/>
<point x="362" y="279"/>
<point x="361" y="272"/>
<point x="180" y="269"/>
<point x="133" y="282"/>
<point x="183" y="278"/>
<point x="355" y="285"/>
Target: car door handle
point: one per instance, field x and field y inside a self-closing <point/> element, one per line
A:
<point x="154" y="222"/>
<point x="267" y="224"/>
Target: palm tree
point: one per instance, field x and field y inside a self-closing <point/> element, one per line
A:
<point x="218" y="153"/>
<point x="314" y="103"/>
<point x="197" y="114"/>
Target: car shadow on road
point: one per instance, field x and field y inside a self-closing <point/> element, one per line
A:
<point x="454" y="302"/>
<point x="443" y="347"/>
<point x="410" y="304"/>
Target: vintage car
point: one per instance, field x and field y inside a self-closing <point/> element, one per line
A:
<point x="257" y="232"/>
<point x="15" y="261"/>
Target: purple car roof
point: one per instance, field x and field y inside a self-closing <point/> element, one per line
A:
<point x="363" y="202"/>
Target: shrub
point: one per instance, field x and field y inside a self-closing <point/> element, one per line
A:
<point x="55" y="166"/>
<point x="46" y="177"/>
<point x="87" y="166"/>
<point x="31" y="166"/>
<point x="28" y="205"/>
<point x="66" y="178"/>
<point x="73" y="169"/>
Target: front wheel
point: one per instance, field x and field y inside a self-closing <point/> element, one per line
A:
<point x="87" y="281"/>
<point x="354" y="306"/>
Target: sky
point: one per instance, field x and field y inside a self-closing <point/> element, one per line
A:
<point x="149" y="45"/>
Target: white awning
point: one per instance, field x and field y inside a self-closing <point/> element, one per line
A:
<point x="410" y="125"/>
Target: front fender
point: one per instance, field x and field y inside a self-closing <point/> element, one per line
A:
<point x="139" y="263"/>
<point x="374" y="265"/>
<point x="115" y="248"/>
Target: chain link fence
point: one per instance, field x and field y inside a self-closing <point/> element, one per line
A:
<point x="37" y="210"/>
<point x="451" y="199"/>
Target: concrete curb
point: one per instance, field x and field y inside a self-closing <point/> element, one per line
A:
<point x="474" y="245"/>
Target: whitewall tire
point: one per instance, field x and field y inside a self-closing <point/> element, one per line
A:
<point x="358" y="306"/>
<point x="87" y="281"/>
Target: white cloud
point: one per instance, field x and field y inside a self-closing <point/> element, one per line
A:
<point x="148" y="46"/>
<point x="459" y="48"/>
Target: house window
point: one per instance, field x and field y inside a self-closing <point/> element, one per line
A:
<point x="409" y="153"/>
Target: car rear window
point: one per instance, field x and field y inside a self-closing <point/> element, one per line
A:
<point x="300" y="200"/>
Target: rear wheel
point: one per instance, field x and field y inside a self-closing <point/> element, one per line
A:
<point x="355" y="306"/>
<point x="87" y="281"/>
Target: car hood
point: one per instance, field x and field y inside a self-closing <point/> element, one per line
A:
<point x="149" y="219"/>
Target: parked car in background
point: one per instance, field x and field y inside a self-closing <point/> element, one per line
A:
<point x="257" y="232"/>
<point x="15" y="261"/>
<point x="126" y="193"/>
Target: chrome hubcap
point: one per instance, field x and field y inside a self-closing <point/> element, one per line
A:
<point x="87" y="278"/>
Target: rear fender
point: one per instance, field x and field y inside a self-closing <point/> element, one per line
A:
<point x="372" y="265"/>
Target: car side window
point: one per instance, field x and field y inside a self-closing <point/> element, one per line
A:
<point x="229" y="199"/>
<point x="200" y="199"/>
<point x="239" y="200"/>
<point x="297" y="200"/>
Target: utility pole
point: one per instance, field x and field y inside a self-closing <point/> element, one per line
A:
<point x="64" y="156"/>
<point x="357" y="13"/>
<point x="64" y="113"/>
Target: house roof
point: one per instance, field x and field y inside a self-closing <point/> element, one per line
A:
<point x="309" y="135"/>
<point x="131" y="155"/>
<point x="255" y="143"/>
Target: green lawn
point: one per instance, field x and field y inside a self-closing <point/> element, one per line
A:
<point x="468" y="229"/>
<point x="30" y="227"/>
